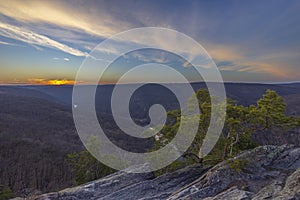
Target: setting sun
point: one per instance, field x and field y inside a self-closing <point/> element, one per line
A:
<point x="60" y="82"/>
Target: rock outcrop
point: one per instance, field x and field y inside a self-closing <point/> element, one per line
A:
<point x="267" y="172"/>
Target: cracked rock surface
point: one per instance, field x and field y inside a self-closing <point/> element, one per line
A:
<point x="271" y="172"/>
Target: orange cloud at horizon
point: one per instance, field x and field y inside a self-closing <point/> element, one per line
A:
<point x="40" y="81"/>
<point x="241" y="63"/>
<point x="50" y="82"/>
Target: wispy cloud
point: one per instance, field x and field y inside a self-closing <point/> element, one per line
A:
<point x="33" y="38"/>
<point x="63" y="14"/>
<point x="152" y="56"/>
<point x="65" y="59"/>
<point x="7" y="43"/>
<point x="232" y="58"/>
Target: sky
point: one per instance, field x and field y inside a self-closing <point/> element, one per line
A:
<point x="45" y="42"/>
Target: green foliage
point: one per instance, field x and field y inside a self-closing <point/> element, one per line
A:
<point x="5" y="193"/>
<point x="237" y="164"/>
<point x="217" y="153"/>
<point x="241" y="122"/>
<point x="86" y="167"/>
<point x="270" y="113"/>
<point x="245" y="142"/>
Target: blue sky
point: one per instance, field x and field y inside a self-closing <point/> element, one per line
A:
<point x="250" y="41"/>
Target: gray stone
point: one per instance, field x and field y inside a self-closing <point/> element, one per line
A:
<point x="232" y="194"/>
<point x="271" y="172"/>
<point x="266" y="165"/>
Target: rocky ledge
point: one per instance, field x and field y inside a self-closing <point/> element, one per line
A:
<point x="267" y="172"/>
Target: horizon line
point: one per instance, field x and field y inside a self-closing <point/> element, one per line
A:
<point x="225" y="82"/>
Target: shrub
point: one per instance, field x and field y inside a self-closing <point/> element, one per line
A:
<point x="237" y="164"/>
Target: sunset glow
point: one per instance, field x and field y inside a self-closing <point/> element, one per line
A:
<point x="43" y="40"/>
<point x="50" y="82"/>
<point x="60" y="82"/>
